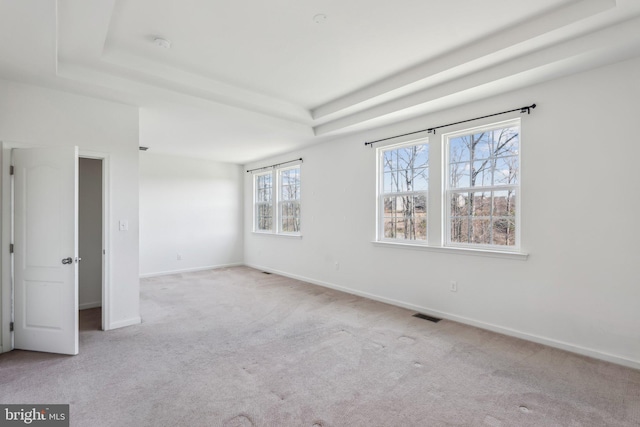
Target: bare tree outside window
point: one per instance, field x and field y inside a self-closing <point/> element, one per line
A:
<point x="403" y="199"/>
<point x="483" y="183"/>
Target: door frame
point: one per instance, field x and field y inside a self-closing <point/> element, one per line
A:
<point x="106" y="276"/>
<point x="6" y="238"/>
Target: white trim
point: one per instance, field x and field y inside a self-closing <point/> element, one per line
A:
<point x="458" y="250"/>
<point x="265" y="233"/>
<point x="124" y="323"/>
<point x="635" y="364"/>
<point x="88" y="305"/>
<point x="189" y="270"/>
<point x="6" y="341"/>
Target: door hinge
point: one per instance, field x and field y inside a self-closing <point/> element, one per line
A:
<point x="11" y="327"/>
<point x="11" y="170"/>
<point x="11" y="248"/>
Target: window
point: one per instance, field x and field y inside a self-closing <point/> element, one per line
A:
<point x="482" y="186"/>
<point x="473" y="201"/>
<point x="402" y="195"/>
<point x="289" y="200"/>
<point x="263" y="202"/>
<point x="277" y="211"/>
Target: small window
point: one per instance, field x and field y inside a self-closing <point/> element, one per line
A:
<point x="276" y="201"/>
<point x="402" y="193"/>
<point x="483" y="187"/>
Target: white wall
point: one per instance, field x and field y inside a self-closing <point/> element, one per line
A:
<point x="579" y="289"/>
<point x="189" y="207"/>
<point x="90" y="233"/>
<point x="35" y="116"/>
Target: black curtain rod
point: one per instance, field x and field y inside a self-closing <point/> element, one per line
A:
<point x="526" y="109"/>
<point x="276" y="165"/>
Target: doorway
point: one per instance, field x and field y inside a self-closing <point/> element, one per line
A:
<point x="96" y="283"/>
<point x="90" y="244"/>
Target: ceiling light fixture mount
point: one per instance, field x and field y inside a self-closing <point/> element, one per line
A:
<point x="320" y="18"/>
<point x="163" y="43"/>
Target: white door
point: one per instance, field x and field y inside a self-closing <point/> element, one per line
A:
<point x="46" y="249"/>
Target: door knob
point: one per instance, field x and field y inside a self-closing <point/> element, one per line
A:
<point x="67" y="260"/>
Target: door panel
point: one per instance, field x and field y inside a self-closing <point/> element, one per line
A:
<point x="45" y="233"/>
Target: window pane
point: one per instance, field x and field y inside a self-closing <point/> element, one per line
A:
<point x="388" y="161"/>
<point x="405" y="217"/>
<point x="481" y="175"/>
<point x="504" y="203"/>
<point x="263" y="217"/>
<point x="405" y="169"/>
<point x="389" y="182"/>
<point x="459" y="176"/>
<point x="290" y="217"/>
<point x="420" y="179"/>
<point x="460" y="231"/>
<point x="506" y="170"/>
<point x="504" y="231"/>
<point x="508" y="141"/>
<point x="481" y="233"/>
<point x="460" y="204"/>
<point x="480" y="204"/>
<point x="481" y="146"/>
<point x="459" y="149"/>
<point x="290" y="184"/>
<point x="422" y="157"/>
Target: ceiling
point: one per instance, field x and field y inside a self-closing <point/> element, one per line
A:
<point x="249" y="79"/>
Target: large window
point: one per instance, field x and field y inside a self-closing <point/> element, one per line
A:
<point x="482" y="186"/>
<point x="276" y="201"/>
<point x="473" y="199"/>
<point x="402" y="195"/>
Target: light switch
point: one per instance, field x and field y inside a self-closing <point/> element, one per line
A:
<point x="124" y="225"/>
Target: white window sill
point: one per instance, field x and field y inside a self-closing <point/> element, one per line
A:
<point x="266" y="233"/>
<point x="458" y="251"/>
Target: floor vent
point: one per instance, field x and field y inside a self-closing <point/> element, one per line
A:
<point x="425" y="317"/>
<point x="265" y="272"/>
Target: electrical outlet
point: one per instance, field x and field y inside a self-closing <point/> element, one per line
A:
<point x="453" y="286"/>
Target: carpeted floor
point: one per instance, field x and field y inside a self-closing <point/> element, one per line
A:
<point x="237" y="347"/>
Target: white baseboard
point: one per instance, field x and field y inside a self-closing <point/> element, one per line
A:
<point x="124" y="323"/>
<point x="87" y="305"/>
<point x="596" y="354"/>
<point x="189" y="270"/>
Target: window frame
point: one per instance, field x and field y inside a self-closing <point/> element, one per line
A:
<point x="276" y="201"/>
<point x="447" y="191"/>
<point x="381" y="194"/>
<point x="256" y="203"/>
<point x="280" y="200"/>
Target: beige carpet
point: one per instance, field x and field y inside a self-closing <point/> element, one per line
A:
<point x="236" y="347"/>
